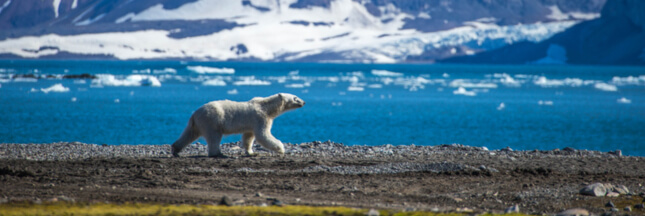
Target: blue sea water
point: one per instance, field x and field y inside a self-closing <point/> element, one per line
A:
<point x="544" y="107"/>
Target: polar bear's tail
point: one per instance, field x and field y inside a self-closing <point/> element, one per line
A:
<point x="189" y="135"/>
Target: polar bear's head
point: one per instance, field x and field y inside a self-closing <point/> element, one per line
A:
<point x="277" y="104"/>
<point x="291" y="101"/>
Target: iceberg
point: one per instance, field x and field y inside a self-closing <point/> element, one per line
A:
<point x="605" y="87"/>
<point x="463" y="91"/>
<point x="55" y="88"/>
<point x="624" y="100"/>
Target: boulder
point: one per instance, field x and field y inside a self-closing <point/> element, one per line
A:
<point x="596" y="189"/>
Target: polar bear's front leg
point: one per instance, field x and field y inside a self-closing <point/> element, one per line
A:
<point x="264" y="137"/>
<point x="213" y="139"/>
<point x="247" y="141"/>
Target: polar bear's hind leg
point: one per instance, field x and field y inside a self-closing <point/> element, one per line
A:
<point x="189" y="135"/>
<point x="213" y="139"/>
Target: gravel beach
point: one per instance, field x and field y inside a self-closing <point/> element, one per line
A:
<point x="443" y="178"/>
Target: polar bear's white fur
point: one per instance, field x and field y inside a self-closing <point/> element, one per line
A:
<point x="252" y="119"/>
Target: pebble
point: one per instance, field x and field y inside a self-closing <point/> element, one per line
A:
<point x="610" y="204"/>
<point x="612" y="194"/>
<point x="258" y="194"/>
<point x="621" y="189"/>
<point x="628" y="209"/>
<point x="512" y="209"/>
<point x="639" y="206"/>
<point x="614" y="210"/>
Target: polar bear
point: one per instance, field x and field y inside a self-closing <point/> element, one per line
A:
<point x="253" y="119"/>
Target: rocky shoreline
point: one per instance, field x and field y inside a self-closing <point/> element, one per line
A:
<point x="445" y="178"/>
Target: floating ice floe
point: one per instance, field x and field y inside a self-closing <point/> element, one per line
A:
<point x="386" y="73"/>
<point x="132" y="80"/>
<point x="463" y="91"/>
<point x="73" y="99"/>
<point x="79" y="81"/>
<point x="355" y="88"/>
<point x="605" y="87"/>
<point x="232" y="92"/>
<point x="624" y="100"/>
<point x="630" y="80"/>
<point x="507" y="80"/>
<point x="501" y="106"/>
<point x="117" y="101"/>
<point x="214" y="82"/>
<point x="295" y="85"/>
<point x="210" y="70"/>
<point x="165" y="71"/>
<point x="545" y="103"/>
<point x="55" y="88"/>
<point x="467" y="84"/>
<point x="251" y="81"/>
<point x="573" y="82"/>
<point x="375" y="86"/>
<point x="25" y="79"/>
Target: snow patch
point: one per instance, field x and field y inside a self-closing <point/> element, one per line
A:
<point x="56" y="5"/>
<point x="5" y="5"/>
<point x="211" y="70"/>
<point x="55" y="88"/>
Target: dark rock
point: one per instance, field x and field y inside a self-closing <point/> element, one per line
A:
<point x="276" y="202"/>
<point x="639" y="206"/>
<point x="226" y="201"/>
<point x="628" y="209"/>
<point x="610" y="204"/>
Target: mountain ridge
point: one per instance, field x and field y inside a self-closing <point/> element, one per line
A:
<point x="366" y="31"/>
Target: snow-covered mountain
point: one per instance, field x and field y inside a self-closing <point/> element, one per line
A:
<point x="383" y="31"/>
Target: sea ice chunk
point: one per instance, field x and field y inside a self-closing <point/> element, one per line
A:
<point x="55" y="88"/>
